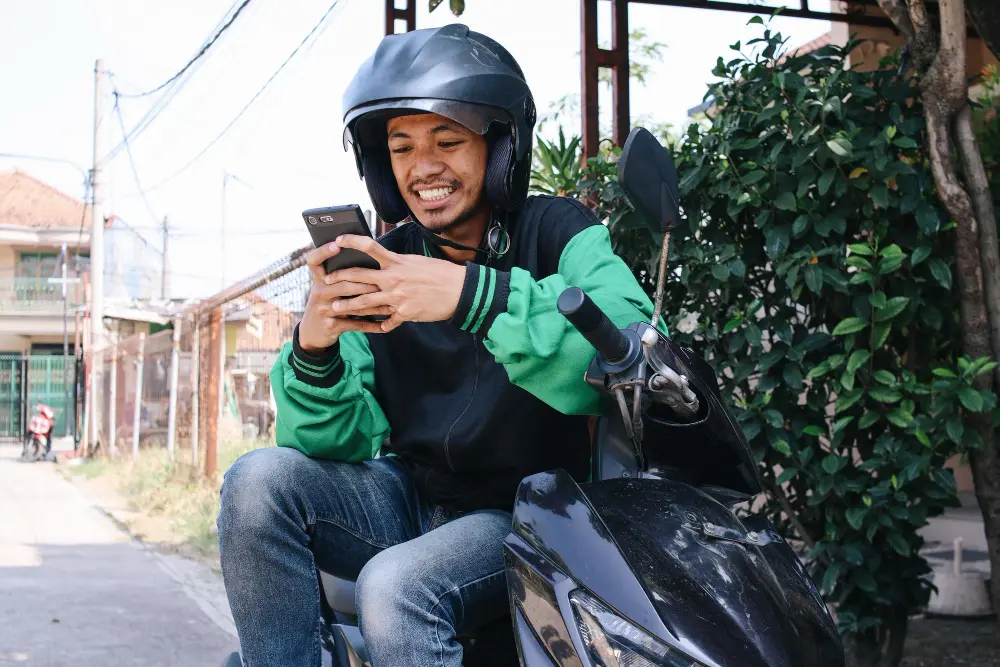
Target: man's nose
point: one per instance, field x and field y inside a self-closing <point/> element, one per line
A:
<point x="427" y="165"/>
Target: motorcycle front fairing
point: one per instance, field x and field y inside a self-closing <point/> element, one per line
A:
<point x="668" y="560"/>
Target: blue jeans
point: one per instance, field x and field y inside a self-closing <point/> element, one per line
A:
<point x="423" y="574"/>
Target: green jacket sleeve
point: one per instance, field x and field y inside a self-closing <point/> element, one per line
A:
<point x="325" y="404"/>
<point x="541" y="351"/>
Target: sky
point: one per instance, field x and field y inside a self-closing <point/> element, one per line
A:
<point x="285" y="153"/>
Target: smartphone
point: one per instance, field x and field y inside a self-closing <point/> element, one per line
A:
<point x="326" y="225"/>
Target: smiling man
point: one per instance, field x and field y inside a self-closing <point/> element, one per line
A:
<point x="475" y="374"/>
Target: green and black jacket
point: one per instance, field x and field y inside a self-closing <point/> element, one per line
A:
<point x="476" y="403"/>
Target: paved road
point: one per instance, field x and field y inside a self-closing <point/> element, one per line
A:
<point x="77" y="592"/>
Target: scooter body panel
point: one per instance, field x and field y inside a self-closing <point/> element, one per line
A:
<point x="641" y="547"/>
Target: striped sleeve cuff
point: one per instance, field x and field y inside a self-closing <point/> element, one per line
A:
<point x="323" y="370"/>
<point x="484" y="296"/>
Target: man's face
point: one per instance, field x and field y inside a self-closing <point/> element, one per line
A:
<point x="439" y="167"/>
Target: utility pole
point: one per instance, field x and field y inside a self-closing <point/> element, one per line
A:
<point x="163" y="272"/>
<point x="97" y="214"/>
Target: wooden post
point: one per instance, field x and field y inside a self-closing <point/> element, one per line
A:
<point x="212" y="394"/>
<point x="137" y="413"/>
<point x="175" y="360"/>
<point x="195" y="388"/>
<point x="113" y="400"/>
<point x="408" y="14"/>
<point x="595" y="58"/>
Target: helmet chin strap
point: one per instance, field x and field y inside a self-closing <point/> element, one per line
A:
<point x="496" y="239"/>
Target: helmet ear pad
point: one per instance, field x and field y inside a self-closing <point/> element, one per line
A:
<point x="381" y="182"/>
<point x="506" y="182"/>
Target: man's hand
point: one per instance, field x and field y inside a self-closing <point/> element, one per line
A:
<point x="321" y="326"/>
<point x="412" y="288"/>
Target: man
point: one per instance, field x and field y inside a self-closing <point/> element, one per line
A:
<point x="475" y="374"/>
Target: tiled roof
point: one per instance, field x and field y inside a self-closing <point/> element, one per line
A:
<point x="808" y="47"/>
<point x="26" y="201"/>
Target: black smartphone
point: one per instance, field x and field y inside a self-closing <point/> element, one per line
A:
<point x="328" y="223"/>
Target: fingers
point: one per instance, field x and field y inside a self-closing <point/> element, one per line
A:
<point x="357" y="304"/>
<point x="356" y="275"/>
<point x="345" y="289"/>
<point x="394" y="321"/>
<point x="326" y="310"/>
<point x="316" y="257"/>
<point x="369" y="246"/>
<point x="364" y="326"/>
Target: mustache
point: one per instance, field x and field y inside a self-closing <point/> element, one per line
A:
<point x="412" y="185"/>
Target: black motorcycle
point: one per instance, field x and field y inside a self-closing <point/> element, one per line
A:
<point x="647" y="564"/>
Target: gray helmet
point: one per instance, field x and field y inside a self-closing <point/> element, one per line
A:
<point x="451" y="71"/>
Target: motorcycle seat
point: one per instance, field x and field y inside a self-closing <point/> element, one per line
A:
<point x="339" y="593"/>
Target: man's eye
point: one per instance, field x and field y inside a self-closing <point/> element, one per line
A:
<point x="448" y="144"/>
<point x="401" y="150"/>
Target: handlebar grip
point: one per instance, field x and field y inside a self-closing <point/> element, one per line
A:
<point x="591" y="321"/>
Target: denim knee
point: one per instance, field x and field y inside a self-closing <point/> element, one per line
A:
<point x="387" y="591"/>
<point x="259" y="488"/>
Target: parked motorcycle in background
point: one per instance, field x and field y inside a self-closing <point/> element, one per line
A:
<point x="38" y="441"/>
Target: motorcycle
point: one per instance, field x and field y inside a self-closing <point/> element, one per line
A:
<point x="647" y="564"/>
<point x="38" y="440"/>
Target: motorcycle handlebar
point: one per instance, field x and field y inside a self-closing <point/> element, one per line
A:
<point x="595" y="326"/>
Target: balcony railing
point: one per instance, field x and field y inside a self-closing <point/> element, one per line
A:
<point x="35" y="295"/>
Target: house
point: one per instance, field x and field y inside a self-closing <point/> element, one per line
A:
<point x="42" y="231"/>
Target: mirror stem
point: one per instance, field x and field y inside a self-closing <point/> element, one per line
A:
<point x="660" y="278"/>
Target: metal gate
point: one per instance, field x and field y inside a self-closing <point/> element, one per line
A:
<point x="25" y="381"/>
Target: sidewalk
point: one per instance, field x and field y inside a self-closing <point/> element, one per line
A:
<point x="76" y="591"/>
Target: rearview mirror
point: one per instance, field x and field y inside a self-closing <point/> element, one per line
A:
<point x="647" y="174"/>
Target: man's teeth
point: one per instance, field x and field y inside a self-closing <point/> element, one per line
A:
<point x="435" y="194"/>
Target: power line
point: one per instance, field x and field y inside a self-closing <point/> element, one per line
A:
<point x="253" y="99"/>
<point x="203" y="51"/>
<point x="42" y="158"/>
<point x="131" y="160"/>
<point x="160" y="105"/>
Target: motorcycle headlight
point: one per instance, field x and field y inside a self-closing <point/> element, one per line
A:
<point x="612" y="641"/>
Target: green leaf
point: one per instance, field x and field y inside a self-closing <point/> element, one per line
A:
<point x="890" y="131"/>
<point x="800" y="225"/>
<point x="849" y="326"/>
<point x="867" y="420"/>
<point x="898" y="544"/>
<point x="944" y="373"/>
<point x="782" y="446"/>
<point x="786" y="474"/>
<point x="856" y="516"/>
<point x="905" y="142"/>
<point x="793" y="376"/>
<point x="830" y="577"/>
<point x="756" y="19"/>
<point x="885" y="377"/>
<point x="884" y="394"/>
<point x="971" y="399"/>
<point x="861" y="249"/>
<point x="754" y="176"/>
<point x="941" y="272"/>
<point x="857" y="360"/>
<point x="840" y="146"/>
<point x="893" y="307"/>
<point x="720" y="272"/>
<point x="826" y="180"/>
<point x="785" y="201"/>
<point x="880" y="196"/>
<point x="880" y="332"/>
<point x="821" y="369"/>
<point x="920" y="254"/>
<point x="927" y="218"/>
<point x="831" y="464"/>
<point x="814" y="278"/>
<point x="922" y="437"/>
<point x="776" y="241"/>
<point x="814" y="430"/>
<point x="899" y="417"/>
<point x="955" y="428"/>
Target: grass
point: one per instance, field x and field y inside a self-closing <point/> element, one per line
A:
<point x="172" y="494"/>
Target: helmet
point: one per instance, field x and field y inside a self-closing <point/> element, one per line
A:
<point x="451" y="71"/>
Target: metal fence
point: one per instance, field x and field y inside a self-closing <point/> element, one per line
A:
<point x="205" y="380"/>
